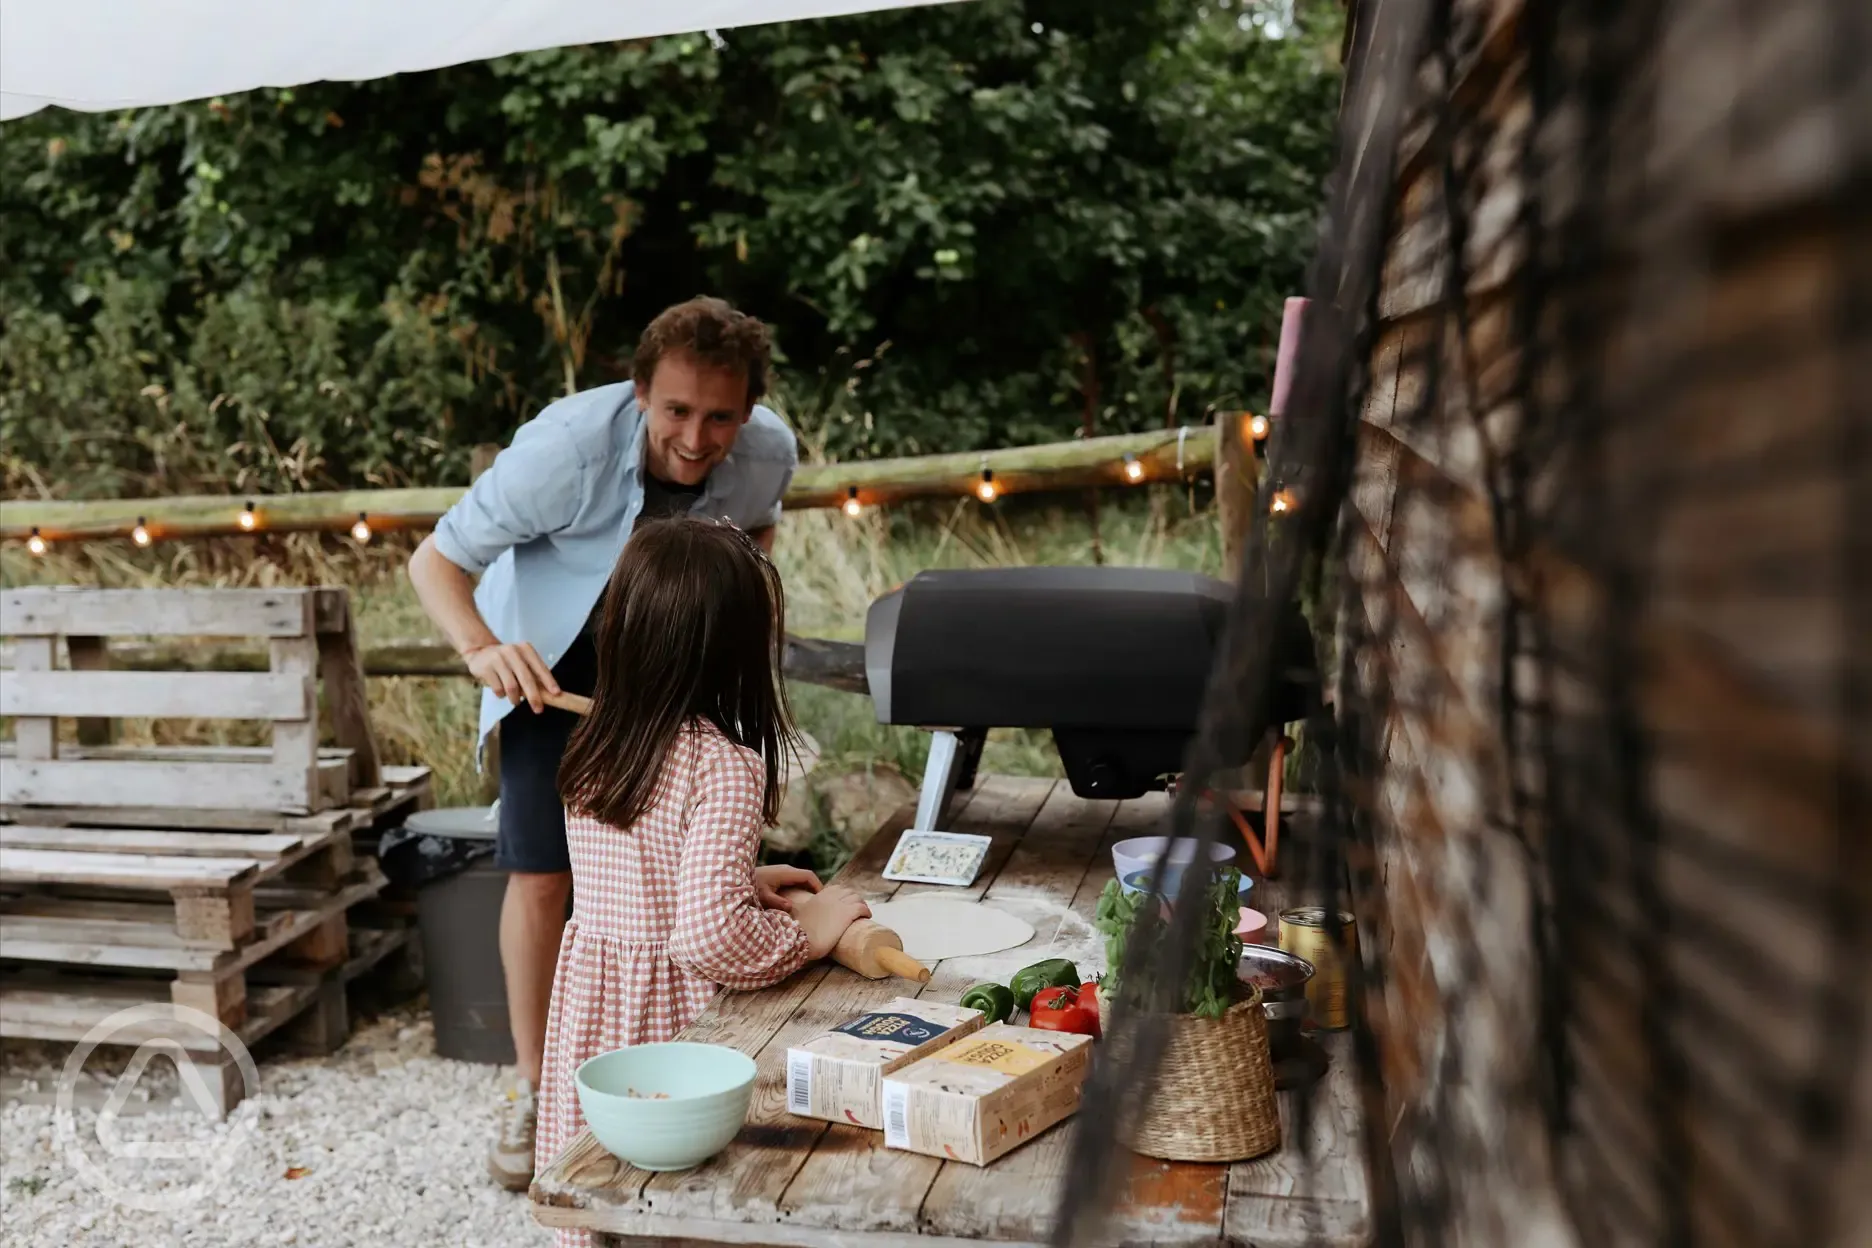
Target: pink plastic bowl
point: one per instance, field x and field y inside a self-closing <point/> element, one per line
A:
<point x="1253" y="927"/>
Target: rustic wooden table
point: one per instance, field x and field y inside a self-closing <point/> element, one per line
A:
<point x="788" y="1181"/>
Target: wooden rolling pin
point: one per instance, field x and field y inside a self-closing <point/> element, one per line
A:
<point x="870" y="949"/>
<point x="578" y="704"/>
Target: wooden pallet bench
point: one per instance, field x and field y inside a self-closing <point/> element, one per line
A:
<point x="401" y="790"/>
<point x="227" y="879"/>
<point x="210" y="877"/>
<point x="404" y="789"/>
<point x="311" y="640"/>
<point x="81" y="899"/>
<point x="74" y="951"/>
<point x="287" y="999"/>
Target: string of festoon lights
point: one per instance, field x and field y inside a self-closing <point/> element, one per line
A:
<point x="142" y="535"/>
<point x="1284" y="498"/>
<point x="985" y="488"/>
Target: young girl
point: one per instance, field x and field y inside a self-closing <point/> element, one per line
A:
<point x="668" y="784"/>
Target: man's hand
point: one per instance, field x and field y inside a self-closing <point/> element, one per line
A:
<point x="515" y="672"/>
<point x="768" y="881"/>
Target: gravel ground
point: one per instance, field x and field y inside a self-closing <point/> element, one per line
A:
<point x="381" y="1143"/>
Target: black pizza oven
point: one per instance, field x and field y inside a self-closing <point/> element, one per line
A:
<point x="1113" y="661"/>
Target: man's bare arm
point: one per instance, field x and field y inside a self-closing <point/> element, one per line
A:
<point x="764" y="536"/>
<point x="447" y="595"/>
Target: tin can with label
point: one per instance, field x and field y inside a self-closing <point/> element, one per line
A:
<point x="1305" y="934"/>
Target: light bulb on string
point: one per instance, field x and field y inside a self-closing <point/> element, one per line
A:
<point x="1258" y="427"/>
<point x="851" y="505"/>
<point x="986" y="489"/>
<point x="1133" y="470"/>
<point x="36" y="543"/>
<point x="140" y="534"/>
<point x="249" y="519"/>
<point x="361" y="531"/>
<point x="1283" y="501"/>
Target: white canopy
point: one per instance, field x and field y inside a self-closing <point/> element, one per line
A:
<point x="98" y="55"/>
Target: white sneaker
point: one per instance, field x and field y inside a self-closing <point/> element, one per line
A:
<point x="510" y="1161"/>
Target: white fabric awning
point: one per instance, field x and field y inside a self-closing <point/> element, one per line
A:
<point x="97" y="55"/>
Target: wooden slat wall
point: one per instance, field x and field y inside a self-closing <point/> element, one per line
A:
<point x="1423" y="554"/>
<point x="1739" y="685"/>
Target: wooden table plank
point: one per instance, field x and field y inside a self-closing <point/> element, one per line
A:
<point x="1313" y="1189"/>
<point x="1000" y="808"/>
<point x="1168" y="1202"/>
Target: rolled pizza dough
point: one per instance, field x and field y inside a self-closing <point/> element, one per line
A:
<point x="934" y="928"/>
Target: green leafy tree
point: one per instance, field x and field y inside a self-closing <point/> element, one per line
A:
<point x="969" y="224"/>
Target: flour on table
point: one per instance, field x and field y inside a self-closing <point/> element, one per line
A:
<point x="934" y="928"/>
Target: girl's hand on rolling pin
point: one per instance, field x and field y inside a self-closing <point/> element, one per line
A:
<point x="768" y="881"/>
<point x="826" y="915"/>
<point x="514" y="672"/>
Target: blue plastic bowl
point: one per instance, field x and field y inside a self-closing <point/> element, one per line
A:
<point x="1139" y="882"/>
<point x="1142" y="853"/>
<point x="666" y="1106"/>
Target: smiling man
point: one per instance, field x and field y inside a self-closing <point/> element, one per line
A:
<point x="542" y="529"/>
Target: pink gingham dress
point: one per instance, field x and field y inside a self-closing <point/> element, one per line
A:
<point x="664" y="913"/>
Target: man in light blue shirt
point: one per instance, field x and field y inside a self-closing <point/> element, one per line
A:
<point x="542" y="529"/>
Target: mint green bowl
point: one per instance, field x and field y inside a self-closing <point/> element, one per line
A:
<point x="708" y="1089"/>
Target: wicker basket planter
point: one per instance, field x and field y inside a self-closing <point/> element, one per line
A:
<point x="1214" y="1099"/>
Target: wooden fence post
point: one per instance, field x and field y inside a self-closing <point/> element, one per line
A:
<point x="1235" y="482"/>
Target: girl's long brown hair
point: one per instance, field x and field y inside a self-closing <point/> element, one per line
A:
<point x="691" y="628"/>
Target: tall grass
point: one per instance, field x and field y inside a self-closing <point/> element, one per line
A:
<point x="833" y="565"/>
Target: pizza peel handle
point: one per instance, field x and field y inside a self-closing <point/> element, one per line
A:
<point x="871" y="949"/>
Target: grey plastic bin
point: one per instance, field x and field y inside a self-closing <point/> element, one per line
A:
<point x="459" y="918"/>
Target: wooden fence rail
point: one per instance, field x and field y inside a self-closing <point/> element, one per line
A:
<point x="1122" y="460"/>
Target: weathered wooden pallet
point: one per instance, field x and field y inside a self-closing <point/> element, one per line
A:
<point x="402" y="789"/>
<point x="85" y="936"/>
<point x="210" y="878"/>
<point x="311" y="639"/>
<point x="300" y="1001"/>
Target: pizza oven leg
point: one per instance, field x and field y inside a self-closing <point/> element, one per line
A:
<point x="953" y="759"/>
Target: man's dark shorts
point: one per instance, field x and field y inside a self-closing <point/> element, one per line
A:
<point x="532" y="836"/>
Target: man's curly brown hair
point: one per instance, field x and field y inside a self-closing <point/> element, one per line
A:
<point x="711" y="333"/>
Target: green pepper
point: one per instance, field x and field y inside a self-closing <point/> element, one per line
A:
<point x="994" y="1000"/>
<point x="1052" y="973"/>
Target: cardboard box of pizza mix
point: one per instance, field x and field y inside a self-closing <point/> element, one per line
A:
<point x="982" y="1097"/>
<point x="837" y="1074"/>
